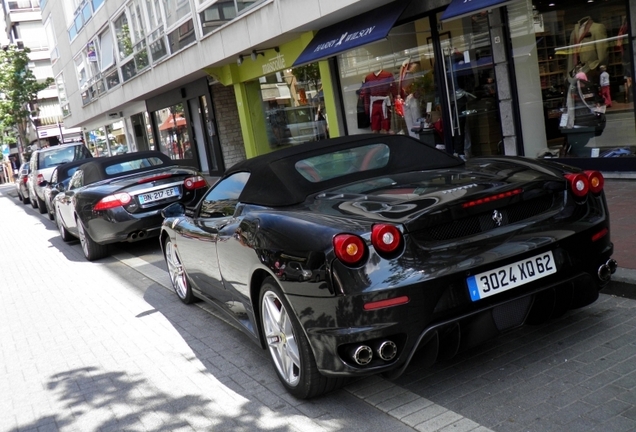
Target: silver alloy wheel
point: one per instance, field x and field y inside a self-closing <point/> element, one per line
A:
<point x="82" y="237"/>
<point x="175" y="270"/>
<point x="280" y="338"/>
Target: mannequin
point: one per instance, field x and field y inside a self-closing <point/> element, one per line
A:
<point x="589" y="41"/>
<point x="378" y="90"/>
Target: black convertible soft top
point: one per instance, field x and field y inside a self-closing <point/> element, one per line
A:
<point x="96" y="169"/>
<point x="274" y="180"/>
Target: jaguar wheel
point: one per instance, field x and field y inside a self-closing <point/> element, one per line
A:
<point x="178" y="277"/>
<point x="288" y="346"/>
<point x="92" y="250"/>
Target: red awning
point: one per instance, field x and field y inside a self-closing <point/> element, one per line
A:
<point x="169" y="122"/>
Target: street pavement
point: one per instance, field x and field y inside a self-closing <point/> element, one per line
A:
<point x="107" y="346"/>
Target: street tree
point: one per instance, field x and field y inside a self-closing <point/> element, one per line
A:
<point x="19" y="90"/>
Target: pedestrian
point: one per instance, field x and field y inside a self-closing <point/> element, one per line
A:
<point x="605" y="86"/>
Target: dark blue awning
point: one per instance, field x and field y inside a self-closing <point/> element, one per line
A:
<point x="461" y="8"/>
<point x="360" y="30"/>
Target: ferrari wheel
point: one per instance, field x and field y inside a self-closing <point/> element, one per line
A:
<point x="288" y="346"/>
<point x="178" y="277"/>
<point x="92" y="250"/>
<point x="20" y="197"/>
<point x="66" y="236"/>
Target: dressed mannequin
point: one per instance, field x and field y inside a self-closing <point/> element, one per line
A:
<point x="378" y="90"/>
<point x="590" y="51"/>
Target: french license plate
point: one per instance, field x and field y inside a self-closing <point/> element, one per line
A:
<point x="158" y="195"/>
<point x="510" y="276"/>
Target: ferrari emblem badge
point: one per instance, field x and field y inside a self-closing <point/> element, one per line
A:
<point x="497" y="217"/>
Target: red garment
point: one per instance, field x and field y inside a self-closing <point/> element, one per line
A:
<point x="605" y="92"/>
<point x="376" y="85"/>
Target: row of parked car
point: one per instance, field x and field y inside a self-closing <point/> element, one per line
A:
<point x="108" y="199"/>
<point x="344" y="257"/>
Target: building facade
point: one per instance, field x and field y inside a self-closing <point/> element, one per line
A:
<point x="212" y="82"/>
<point x="24" y="28"/>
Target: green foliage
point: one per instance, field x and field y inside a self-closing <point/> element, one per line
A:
<point x="18" y="88"/>
<point x="308" y="73"/>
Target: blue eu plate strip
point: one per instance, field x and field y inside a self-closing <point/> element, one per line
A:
<point x="472" y="288"/>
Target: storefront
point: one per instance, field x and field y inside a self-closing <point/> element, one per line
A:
<point x="488" y="78"/>
<point x="185" y="128"/>
<point x="280" y="105"/>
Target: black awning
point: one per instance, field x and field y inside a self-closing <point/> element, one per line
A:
<point x="360" y="30"/>
<point x="461" y="8"/>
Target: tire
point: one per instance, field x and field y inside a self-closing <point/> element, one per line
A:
<point x="33" y="201"/>
<point x="20" y="197"/>
<point x="178" y="278"/>
<point x="66" y="236"/>
<point x="41" y="205"/>
<point x="92" y="250"/>
<point x="25" y="200"/>
<point x="50" y="212"/>
<point x="288" y="346"/>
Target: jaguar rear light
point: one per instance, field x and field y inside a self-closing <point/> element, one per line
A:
<point x="579" y="184"/>
<point x="154" y="178"/>
<point x="596" y="181"/>
<point x="112" y="201"/>
<point x="349" y="248"/>
<point x="196" y="182"/>
<point x="386" y="238"/>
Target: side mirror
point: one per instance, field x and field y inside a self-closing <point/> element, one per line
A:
<point x="173" y="210"/>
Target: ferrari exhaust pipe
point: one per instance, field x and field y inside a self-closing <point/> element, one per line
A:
<point x="141" y="234"/>
<point x="362" y="355"/>
<point x="386" y="350"/>
<point x="612" y="265"/>
<point x="133" y="236"/>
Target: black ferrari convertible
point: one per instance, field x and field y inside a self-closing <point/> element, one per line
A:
<point x="119" y="199"/>
<point x="398" y="247"/>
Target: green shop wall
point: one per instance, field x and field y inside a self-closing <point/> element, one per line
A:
<point x="244" y="78"/>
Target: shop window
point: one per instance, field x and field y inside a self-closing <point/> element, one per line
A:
<point x="583" y="68"/>
<point x="172" y="126"/>
<point x="293" y="106"/>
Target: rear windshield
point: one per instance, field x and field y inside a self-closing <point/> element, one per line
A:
<point x="343" y="162"/>
<point x="132" y="165"/>
<point x="62" y="155"/>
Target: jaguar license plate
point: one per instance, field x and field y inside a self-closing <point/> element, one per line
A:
<point x="158" y="195"/>
<point x="510" y="276"/>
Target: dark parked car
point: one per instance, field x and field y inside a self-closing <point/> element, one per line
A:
<point x="60" y="179"/>
<point x="119" y="199"/>
<point x="21" y="182"/>
<point x="415" y="249"/>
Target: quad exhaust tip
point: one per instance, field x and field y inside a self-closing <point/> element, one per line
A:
<point x="363" y="354"/>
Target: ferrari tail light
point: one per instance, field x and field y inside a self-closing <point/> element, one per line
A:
<point x="491" y="198"/>
<point x="112" y="201"/>
<point x="386" y="238"/>
<point x="596" y="181"/>
<point x="349" y="248"/>
<point x="579" y="184"/>
<point x="195" y="182"/>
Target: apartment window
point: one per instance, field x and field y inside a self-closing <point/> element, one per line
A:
<point x="175" y="11"/>
<point x="214" y="13"/>
<point x="50" y="36"/>
<point x="61" y="95"/>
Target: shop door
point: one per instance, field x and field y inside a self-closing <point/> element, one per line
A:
<point x="204" y="133"/>
<point x="469" y="86"/>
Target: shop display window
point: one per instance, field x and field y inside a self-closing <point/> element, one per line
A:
<point x="294" y="106"/>
<point x="400" y="86"/>
<point x="582" y="59"/>
<point x="172" y="126"/>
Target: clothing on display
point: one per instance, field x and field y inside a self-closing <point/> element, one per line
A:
<point x="590" y="41"/>
<point x="379" y="89"/>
